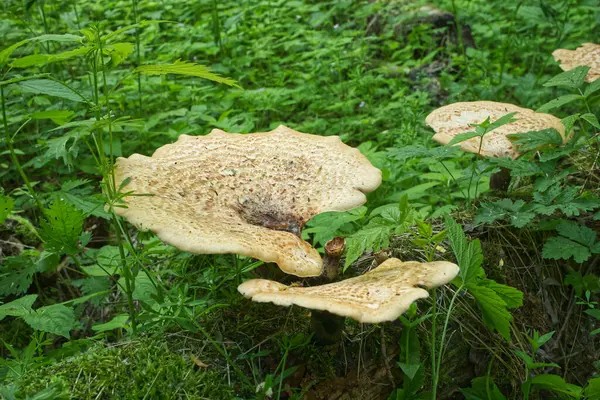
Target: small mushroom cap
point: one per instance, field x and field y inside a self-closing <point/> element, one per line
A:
<point x="381" y="294"/>
<point x="588" y="54"/>
<point x="453" y="119"/>
<point x="245" y="194"/>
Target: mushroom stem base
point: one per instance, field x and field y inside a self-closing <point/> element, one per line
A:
<point x="327" y="328"/>
<point x="500" y="181"/>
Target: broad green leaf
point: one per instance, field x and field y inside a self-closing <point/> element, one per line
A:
<point x="19" y="307"/>
<point x="556" y="383"/>
<point x="119" y="52"/>
<point x="559" y="102"/>
<point x="7" y="204"/>
<point x="571" y="79"/>
<point x="493" y="308"/>
<point x="591" y="119"/>
<point x="50" y="88"/>
<point x="578" y="233"/>
<point x="59" y="117"/>
<point x="592" y="390"/>
<point x="5" y="54"/>
<point x="16" y="274"/>
<point x="461" y="137"/>
<point x="468" y="255"/>
<point x="62" y="228"/>
<point x="559" y="247"/>
<point x="119" y="321"/>
<point x="592" y="88"/>
<point x="511" y="296"/>
<point x="535" y="140"/>
<point x="43" y="59"/>
<point x="185" y="68"/>
<point x="57" y="319"/>
<point x="483" y="388"/>
<point x="372" y="237"/>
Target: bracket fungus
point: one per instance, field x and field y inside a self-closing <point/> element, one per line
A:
<point x="453" y="119"/>
<point x="247" y="194"/>
<point x="586" y="55"/>
<point x="382" y="294"/>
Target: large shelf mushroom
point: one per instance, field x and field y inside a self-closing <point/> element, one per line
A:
<point x="380" y="295"/>
<point x="586" y="55"/>
<point x="453" y="119"/>
<point x="247" y="194"/>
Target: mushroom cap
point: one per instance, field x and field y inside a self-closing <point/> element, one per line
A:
<point x="247" y="194"/>
<point x="588" y="54"/>
<point x="382" y="294"/>
<point x="453" y="119"/>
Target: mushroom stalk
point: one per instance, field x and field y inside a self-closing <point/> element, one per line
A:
<point x="333" y="253"/>
<point x="326" y="327"/>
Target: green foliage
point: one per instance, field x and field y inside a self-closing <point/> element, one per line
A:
<point x="184" y="68"/>
<point x="62" y="228"/>
<point x="57" y="318"/>
<point x="574" y="241"/>
<point x="494" y="299"/>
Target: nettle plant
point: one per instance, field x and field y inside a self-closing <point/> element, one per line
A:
<point x="62" y="212"/>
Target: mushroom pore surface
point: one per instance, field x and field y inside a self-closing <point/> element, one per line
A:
<point x="247" y="194"/>
<point x="379" y="295"/>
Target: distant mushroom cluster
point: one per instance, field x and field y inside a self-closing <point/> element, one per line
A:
<point x="251" y="194"/>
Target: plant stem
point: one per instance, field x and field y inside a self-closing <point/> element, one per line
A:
<point x="443" y="338"/>
<point x="434" y="372"/>
<point x="13" y="155"/>
<point x="138" y="55"/>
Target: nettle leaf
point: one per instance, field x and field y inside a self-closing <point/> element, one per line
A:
<point x="119" y="52"/>
<point x="559" y="102"/>
<point x="6" y="53"/>
<point x="7" y="204"/>
<point x="19" y="307"/>
<point x="57" y="147"/>
<point x="493" y="309"/>
<point x="185" y="68"/>
<point x="43" y="59"/>
<point x="571" y="79"/>
<point x="51" y="88"/>
<point x="535" y="140"/>
<point x="559" y="247"/>
<point x="59" y="117"/>
<point x="62" y="228"/>
<point x="461" y="137"/>
<point x="513" y="298"/>
<point x="16" y="274"/>
<point x="592" y="88"/>
<point x="582" y="283"/>
<point x="591" y="119"/>
<point x="468" y="255"/>
<point x="57" y="319"/>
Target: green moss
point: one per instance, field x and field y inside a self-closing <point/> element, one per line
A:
<point x="141" y="369"/>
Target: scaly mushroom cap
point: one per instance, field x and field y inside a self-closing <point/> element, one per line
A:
<point x="381" y="294"/>
<point x="453" y="119"/>
<point x="245" y="194"/>
<point x="588" y="54"/>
